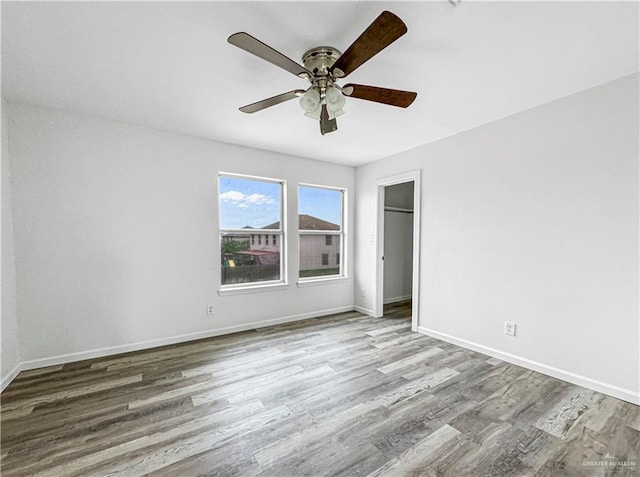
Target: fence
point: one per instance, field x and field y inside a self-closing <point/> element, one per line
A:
<point x="250" y="273"/>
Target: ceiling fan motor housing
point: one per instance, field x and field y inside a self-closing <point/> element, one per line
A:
<point x="318" y="60"/>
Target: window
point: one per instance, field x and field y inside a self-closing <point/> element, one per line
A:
<point x="248" y="206"/>
<point x="320" y="230"/>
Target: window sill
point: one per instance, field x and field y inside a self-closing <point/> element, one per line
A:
<point x="311" y="282"/>
<point x="227" y="291"/>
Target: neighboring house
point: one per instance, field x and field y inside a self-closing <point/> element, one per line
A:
<point x="259" y="257"/>
<point x="235" y="238"/>
<point x="265" y="242"/>
<point x="317" y="251"/>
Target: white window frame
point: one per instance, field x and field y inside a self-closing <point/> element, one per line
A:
<point x="342" y="234"/>
<point x="268" y="285"/>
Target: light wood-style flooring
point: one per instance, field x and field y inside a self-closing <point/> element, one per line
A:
<point x="343" y="395"/>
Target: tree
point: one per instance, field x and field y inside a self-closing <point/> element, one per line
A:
<point x="233" y="246"/>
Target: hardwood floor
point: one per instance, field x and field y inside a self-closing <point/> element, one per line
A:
<point x="341" y="395"/>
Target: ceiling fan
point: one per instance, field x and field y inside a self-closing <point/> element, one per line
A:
<point x="324" y="66"/>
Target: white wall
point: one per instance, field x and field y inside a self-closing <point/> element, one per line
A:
<point x="399" y="195"/>
<point x="398" y="256"/>
<point x="116" y="236"/>
<point x="532" y="219"/>
<point x="398" y="243"/>
<point x="10" y="353"/>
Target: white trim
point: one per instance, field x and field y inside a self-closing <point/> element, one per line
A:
<point x="364" y="310"/>
<point x="284" y="238"/>
<point x="397" y="299"/>
<point x="238" y="175"/>
<point x="252" y="288"/>
<point x="346" y="236"/>
<point x="6" y="380"/>
<point x="252" y="231"/>
<point x="409" y="176"/>
<point x="101" y="352"/>
<point x="605" y="388"/>
<point x="319" y="186"/>
<point x="378" y="290"/>
<point x="320" y="281"/>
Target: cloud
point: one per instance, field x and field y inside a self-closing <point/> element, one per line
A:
<point x="243" y="201"/>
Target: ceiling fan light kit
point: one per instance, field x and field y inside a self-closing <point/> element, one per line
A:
<point x="323" y="66"/>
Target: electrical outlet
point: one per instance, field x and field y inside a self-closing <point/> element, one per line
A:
<point x="509" y="328"/>
<point x="362" y="292"/>
<point x="210" y="310"/>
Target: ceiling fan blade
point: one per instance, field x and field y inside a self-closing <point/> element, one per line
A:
<point x="256" y="47"/>
<point x="384" y="30"/>
<point x="393" y="97"/>
<point x="327" y="125"/>
<point x="267" y="103"/>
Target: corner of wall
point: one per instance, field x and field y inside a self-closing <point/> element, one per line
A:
<point x="9" y="330"/>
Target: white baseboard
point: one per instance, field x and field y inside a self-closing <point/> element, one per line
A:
<point x="364" y="310"/>
<point x="6" y="380"/>
<point x="101" y="352"/>
<point x="605" y="388"/>
<point x="396" y="299"/>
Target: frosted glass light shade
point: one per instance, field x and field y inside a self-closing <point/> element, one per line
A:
<point x="310" y="103"/>
<point x="335" y="101"/>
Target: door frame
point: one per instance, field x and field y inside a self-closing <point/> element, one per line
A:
<point x="378" y="305"/>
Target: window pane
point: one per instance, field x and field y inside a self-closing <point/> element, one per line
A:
<point x="249" y="203"/>
<point x="317" y="258"/>
<point x="319" y="209"/>
<point x="244" y="262"/>
<point x="256" y="205"/>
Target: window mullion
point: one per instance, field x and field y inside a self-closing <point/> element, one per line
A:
<point x="320" y="232"/>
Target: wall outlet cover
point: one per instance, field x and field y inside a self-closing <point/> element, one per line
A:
<point x="509" y="328"/>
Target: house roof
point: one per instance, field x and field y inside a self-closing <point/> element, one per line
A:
<point x="308" y="222"/>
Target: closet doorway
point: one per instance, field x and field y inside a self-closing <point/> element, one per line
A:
<point x="398" y="231"/>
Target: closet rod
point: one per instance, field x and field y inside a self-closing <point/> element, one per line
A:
<point x="397" y="209"/>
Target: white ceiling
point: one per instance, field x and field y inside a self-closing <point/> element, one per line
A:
<point x="169" y="66"/>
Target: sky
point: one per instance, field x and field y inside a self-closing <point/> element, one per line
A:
<point x="325" y="204"/>
<point x="257" y="203"/>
